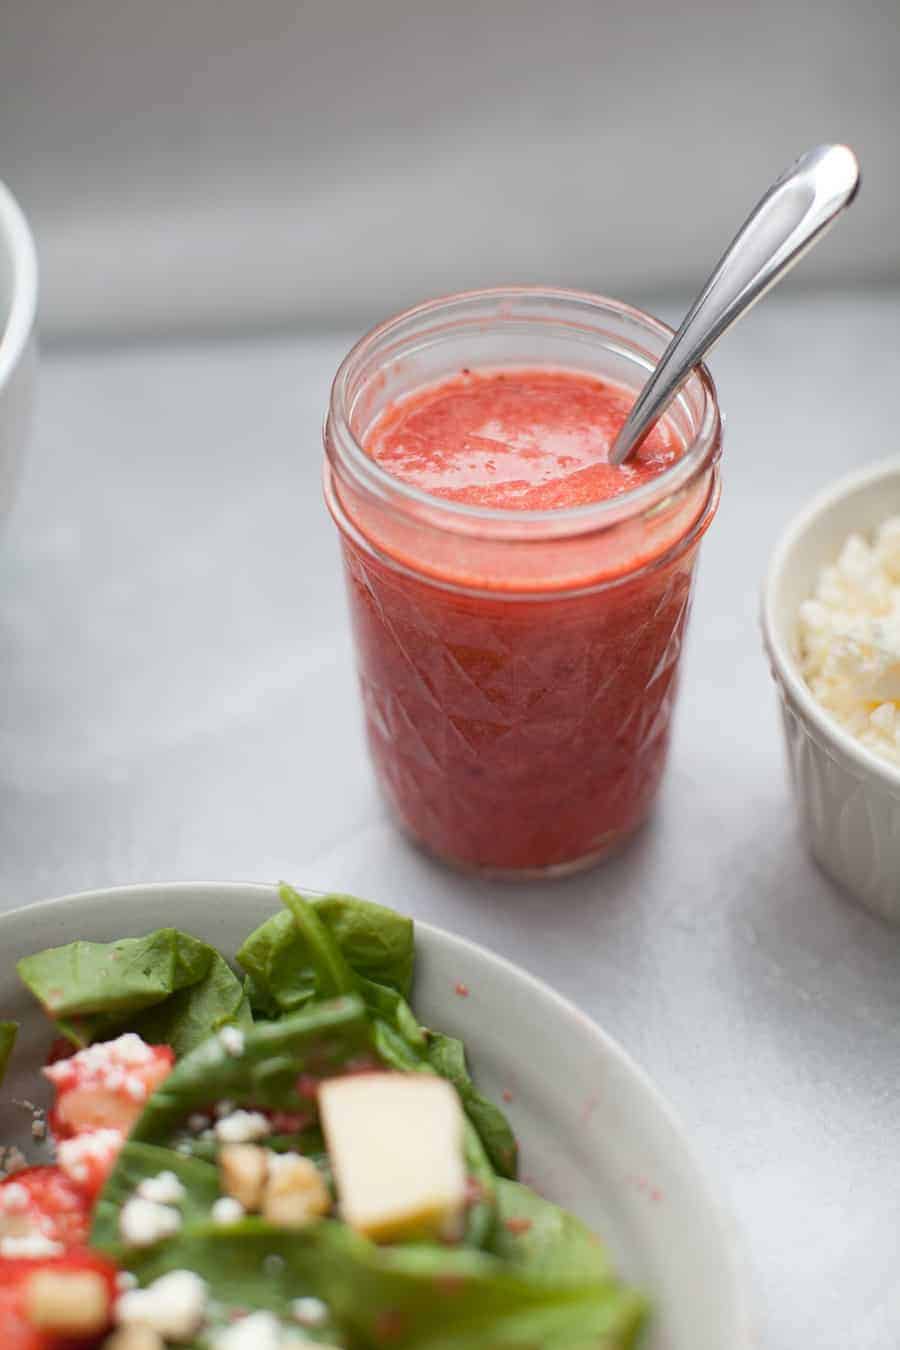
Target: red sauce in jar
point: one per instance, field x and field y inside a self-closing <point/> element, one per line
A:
<point x="517" y="731"/>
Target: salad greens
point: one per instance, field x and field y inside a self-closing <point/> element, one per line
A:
<point x="171" y="984"/>
<point x="8" y="1032"/>
<point x="323" y="990"/>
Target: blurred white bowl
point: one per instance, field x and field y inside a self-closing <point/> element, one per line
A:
<point x="18" y="353"/>
<point x="848" y="798"/>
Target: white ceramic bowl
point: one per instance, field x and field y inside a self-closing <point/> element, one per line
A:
<point x="596" y="1135"/>
<point x="848" y="798"/>
<point x="18" y="363"/>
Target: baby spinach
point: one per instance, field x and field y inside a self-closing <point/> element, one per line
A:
<point x="375" y="942"/>
<point x="167" y="986"/>
<point x="447" y="1057"/>
<point x="114" y="979"/>
<point x="8" y="1032"/>
<point x="425" y="1296"/>
<point x="319" y="1040"/>
<point x="136" y="1163"/>
<point x="538" y="1236"/>
<point x="188" y="1017"/>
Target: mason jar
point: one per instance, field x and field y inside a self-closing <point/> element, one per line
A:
<point x="518" y="669"/>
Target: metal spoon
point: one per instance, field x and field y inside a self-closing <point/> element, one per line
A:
<point x="796" y="211"/>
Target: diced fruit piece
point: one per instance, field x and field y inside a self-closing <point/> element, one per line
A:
<point x="107" y="1085"/>
<point x="42" y="1201"/>
<point x="87" y="1159"/>
<point x="295" y="1191"/>
<point x="396" y="1147"/>
<point x="48" y="1302"/>
<point x="134" y="1338"/>
<point x="243" y="1169"/>
<point x="67" y="1302"/>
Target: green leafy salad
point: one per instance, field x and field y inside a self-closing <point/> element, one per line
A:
<point x="279" y="1154"/>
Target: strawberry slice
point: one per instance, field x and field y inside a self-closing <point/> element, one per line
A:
<point x="87" y="1159"/>
<point x="106" y="1085"/>
<point x="43" y="1202"/>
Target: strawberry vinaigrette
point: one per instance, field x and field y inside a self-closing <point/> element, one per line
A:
<point x="518" y="603"/>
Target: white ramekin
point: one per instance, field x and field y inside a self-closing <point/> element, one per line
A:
<point x="18" y="350"/>
<point x="847" y="797"/>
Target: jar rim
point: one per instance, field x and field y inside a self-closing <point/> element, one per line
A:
<point x="463" y="517"/>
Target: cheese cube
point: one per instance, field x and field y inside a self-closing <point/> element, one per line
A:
<point x="396" y="1147"/>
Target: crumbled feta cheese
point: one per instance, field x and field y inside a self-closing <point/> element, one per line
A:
<point x="125" y="1280"/>
<point x="227" y="1210"/>
<point x="849" y="639"/>
<point x="14" y="1197"/>
<point x="143" y="1222"/>
<point x="29" y="1244"/>
<point x="198" y="1122"/>
<point x="174" y="1305"/>
<point x="310" y="1312"/>
<point x="223" y="1108"/>
<point x="259" y="1331"/>
<point x="165" y="1189"/>
<point x="232" y="1041"/>
<point x="130" y="1049"/>
<point x="242" y="1127"/>
<point x="75" y="1156"/>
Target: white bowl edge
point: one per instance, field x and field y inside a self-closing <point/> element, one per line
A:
<point x="19" y="323"/>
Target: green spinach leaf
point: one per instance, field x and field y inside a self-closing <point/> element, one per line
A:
<point x="136" y="1163"/>
<point x="167" y="986"/>
<point x="8" y="1032"/>
<point x="114" y="978"/>
<point x="407" y="1296"/>
<point x="447" y="1057"/>
<point x="543" y="1239"/>
<point x="318" y="1041"/>
<point x="375" y="942"/>
<point x="189" y="1016"/>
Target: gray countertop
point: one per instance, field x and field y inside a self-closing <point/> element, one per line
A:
<point x="178" y="701"/>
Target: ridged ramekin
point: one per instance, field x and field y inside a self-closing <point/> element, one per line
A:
<point x="847" y="797"/>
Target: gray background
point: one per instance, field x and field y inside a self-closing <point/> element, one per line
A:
<point x="177" y="696"/>
<point x="216" y="162"/>
<point x="179" y="702"/>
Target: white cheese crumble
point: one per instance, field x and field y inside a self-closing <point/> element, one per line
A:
<point x="143" y="1222"/>
<point x="165" y="1189"/>
<point x="14" y="1197"/>
<point x="310" y="1312"/>
<point x="75" y="1155"/>
<point x="259" y="1331"/>
<point x="174" y="1305"/>
<point x="227" y="1210"/>
<point x="849" y="639"/>
<point x="242" y="1127"/>
<point x="232" y="1041"/>
<point x="29" y="1244"/>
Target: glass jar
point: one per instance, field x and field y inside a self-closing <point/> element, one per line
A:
<point x="518" y="668"/>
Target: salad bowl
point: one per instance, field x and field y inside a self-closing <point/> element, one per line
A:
<point x="595" y="1136"/>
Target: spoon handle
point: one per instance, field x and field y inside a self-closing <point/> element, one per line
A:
<point x="793" y="214"/>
